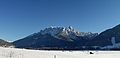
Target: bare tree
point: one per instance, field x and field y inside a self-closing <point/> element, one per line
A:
<point x="11" y="54"/>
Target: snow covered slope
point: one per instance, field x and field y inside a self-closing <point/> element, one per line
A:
<point x="22" y="53"/>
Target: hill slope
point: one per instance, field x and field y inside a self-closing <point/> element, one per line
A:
<point x="4" y="43"/>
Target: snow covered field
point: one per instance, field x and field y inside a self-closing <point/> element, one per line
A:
<point x="22" y="53"/>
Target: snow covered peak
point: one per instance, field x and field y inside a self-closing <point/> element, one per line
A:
<point x="52" y="30"/>
<point x="68" y="32"/>
<point x="60" y="32"/>
<point x="70" y="28"/>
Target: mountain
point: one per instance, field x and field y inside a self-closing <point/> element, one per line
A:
<point x="56" y="38"/>
<point x="107" y="37"/>
<point x="67" y="38"/>
<point x="4" y="43"/>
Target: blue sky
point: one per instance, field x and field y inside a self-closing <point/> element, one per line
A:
<point x="20" y="18"/>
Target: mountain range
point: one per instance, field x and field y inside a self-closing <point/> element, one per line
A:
<point x="56" y="38"/>
<point x="67" y="38"/>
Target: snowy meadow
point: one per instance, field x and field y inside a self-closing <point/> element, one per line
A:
<point x="23" y="53"/>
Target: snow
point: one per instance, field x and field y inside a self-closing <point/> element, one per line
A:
<point x="117" y="45"/>
<point x="113" y="41"/>
<point x="23" y="53"/>
<point x="114" y="44"/>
